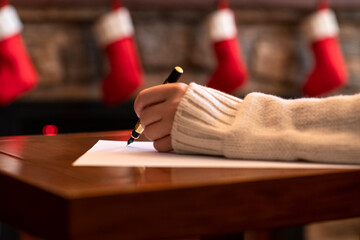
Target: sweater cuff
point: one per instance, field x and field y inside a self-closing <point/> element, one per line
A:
<point x="203" y="118"/>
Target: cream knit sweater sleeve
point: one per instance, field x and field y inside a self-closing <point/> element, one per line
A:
<point x="267" y="127"/>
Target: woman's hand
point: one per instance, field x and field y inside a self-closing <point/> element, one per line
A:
<point x="156" y="108"/>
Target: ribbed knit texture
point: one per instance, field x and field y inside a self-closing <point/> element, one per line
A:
<point x="266" y="127"/>
<point x="204" y="116"/>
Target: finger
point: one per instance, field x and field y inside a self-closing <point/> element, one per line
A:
<point x="152" y="114"/>
<point x="152" y="96"/>
<point x="163" y="144"/>
<point x="158" y="130"/>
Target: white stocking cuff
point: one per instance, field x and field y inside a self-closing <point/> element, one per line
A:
<point x="113" y="26"/>
<point x="222" y="25"/>
<point x="10" y="23"/>
<point x="320" y="25"/>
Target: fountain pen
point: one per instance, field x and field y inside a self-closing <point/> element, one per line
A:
<point x="138" y="129"/>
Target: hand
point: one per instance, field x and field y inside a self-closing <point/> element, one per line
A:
<point x="156" y="108"/>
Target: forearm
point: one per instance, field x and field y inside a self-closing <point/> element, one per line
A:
<point x="266" y="127"/>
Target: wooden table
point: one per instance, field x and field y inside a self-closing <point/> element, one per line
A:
<point x="43" y="194"/>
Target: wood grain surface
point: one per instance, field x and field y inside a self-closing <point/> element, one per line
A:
<point x="43" y="194"/>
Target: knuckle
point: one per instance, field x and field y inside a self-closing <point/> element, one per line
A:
<point x="159" y="146"/>
<point x="163" y="144"/>
<point x="179" y="90"/>
<point x="138" y="103"/>
<point x="181" y="87"/>
<point x="143" y="122"/>
<point x="148" y="134"/>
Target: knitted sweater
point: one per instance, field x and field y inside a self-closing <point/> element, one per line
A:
<point x="267" y="127"/>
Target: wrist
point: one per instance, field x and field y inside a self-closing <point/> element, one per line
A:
<point x="203" y="117"/>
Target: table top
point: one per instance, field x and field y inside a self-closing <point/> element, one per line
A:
<point x="41" y="192"/>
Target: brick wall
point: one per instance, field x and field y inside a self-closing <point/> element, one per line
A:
<point x="71" y="65"/>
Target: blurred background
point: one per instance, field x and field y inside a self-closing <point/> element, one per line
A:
<point x="71" y="66"/>
<point x="59" y="38"/>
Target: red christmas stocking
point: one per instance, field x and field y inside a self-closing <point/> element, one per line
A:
<point x="329" y="73"/>
<point x="17" y="74"/>
<point x="230" y="73"/>
<point x="114" y="32"/>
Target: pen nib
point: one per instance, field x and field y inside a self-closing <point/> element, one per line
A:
<point x="131" y="140"/>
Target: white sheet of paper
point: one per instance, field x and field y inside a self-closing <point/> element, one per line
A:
<point x="142" y="154"/>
